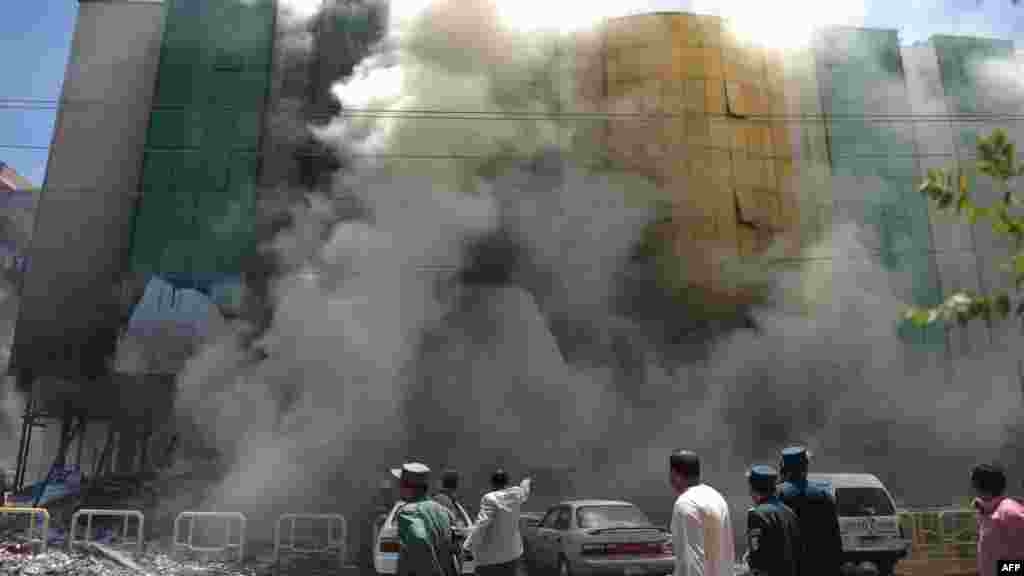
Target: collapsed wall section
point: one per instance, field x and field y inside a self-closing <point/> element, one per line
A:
<point x="702" y="113"/>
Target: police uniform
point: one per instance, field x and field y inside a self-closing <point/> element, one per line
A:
<point x="815" y="507"/>
<point x="424" y="531"/>
<point x="773" y="533"/>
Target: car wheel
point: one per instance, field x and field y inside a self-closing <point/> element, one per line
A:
<point x="885" y="568"/>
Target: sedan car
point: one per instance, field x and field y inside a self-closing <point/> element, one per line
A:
<point x="386" y="545"/>
<point x="597" y="537"/>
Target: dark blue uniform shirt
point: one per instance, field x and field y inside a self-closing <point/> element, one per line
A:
<point x="815" y="507"/>
<point x="773" y="540"/>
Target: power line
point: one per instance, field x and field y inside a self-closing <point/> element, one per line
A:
<point x="454" y="114"/>
<point x="409" y="156"/>
<point x="23" y="147"/>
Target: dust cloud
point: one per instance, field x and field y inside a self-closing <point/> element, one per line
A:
<point x="474" y="317"/>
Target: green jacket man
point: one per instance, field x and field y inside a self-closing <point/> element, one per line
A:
<point x="424" y="527"/>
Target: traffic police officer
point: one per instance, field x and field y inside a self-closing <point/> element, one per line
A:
<point x="815" y="507"/>
<point x="424" y="528"/>
<point x="773" y="532"/>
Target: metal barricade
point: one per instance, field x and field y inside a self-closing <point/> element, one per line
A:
<point x="32" y="513"/>
<point x="943" y="534"/>
<point x="228" y="518"/>
<point x="337" y="534"/>
<point x="960" y="533"/>
<point x="125" y="515"/>
<point x="928" y="538"/>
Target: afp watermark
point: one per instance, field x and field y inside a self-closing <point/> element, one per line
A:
<point x="1006" y="567"/>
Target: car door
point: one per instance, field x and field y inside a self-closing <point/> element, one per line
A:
<point x="542" y="545"/>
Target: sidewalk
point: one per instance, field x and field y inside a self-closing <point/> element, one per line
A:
<point x="943" y="567"/>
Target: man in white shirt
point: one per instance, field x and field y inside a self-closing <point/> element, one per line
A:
<point x="702" y="536"/>
<point x="494" y="540"/>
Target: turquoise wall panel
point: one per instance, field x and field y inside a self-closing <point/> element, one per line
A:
<point x="198" y="183"/>
<point x="859" y="65"/>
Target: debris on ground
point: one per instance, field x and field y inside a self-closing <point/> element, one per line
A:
<point x="114" y="556"/>
<point x="54" y="563"/>
<point x="98" y="560"/>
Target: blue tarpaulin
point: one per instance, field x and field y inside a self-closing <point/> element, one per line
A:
<point x="63" y="481"/>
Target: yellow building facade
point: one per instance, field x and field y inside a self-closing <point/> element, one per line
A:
<point x="709" y="118"/>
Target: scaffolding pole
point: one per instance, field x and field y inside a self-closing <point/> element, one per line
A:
<point x="27" y="421"/>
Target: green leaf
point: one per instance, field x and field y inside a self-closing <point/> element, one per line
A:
<point x="962" y="318"/>
<point x="1003" y="304"/>
<point x="919" y="317"/>
<point x="1018" y="264"/>
<point x="962" y="204"/>
<point x="973" y="213"/>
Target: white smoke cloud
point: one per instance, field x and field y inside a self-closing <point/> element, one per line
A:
<point x="368" y="361"/>
<point x="787" y="24"/>
<point x="1003" y="82"/>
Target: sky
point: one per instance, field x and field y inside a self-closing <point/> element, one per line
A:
<point x="35" y="42"/>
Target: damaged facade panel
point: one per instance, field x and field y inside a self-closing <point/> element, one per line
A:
<point x="722" y="160"/>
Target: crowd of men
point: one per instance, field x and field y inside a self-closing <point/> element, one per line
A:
<point x="428" y="528"/>
<point x="792" y="529"/>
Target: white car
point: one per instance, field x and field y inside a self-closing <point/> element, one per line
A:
<point x="386" y="546"/>
<point x="868" y="520"/>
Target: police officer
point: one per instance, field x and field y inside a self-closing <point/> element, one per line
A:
<point x="773" y="532"/>
<point x="815" y="507"/>
<point x="424" y="528"/>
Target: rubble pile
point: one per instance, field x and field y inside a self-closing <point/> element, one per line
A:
<point x="16" y="559"/>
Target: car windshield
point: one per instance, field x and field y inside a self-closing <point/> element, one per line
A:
<point x="863" y="502"/>
<point x="611" y="517"/>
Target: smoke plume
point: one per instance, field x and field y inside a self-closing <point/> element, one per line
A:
<point x="473" y="317"/>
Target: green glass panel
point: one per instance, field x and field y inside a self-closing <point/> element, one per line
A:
<point x="175" y="128"/>
<point x="196" y="215"/>
<point x="880" y="156"/>
<point x="249" y="124"/>
<point x="916" y="208"/>
<point x="161" y="238"/>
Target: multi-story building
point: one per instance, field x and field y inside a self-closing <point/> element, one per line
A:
<point x="183" y="121"/>
<point x="17" y="208"/>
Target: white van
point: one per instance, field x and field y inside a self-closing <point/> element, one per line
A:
<point x="868" y="521"/>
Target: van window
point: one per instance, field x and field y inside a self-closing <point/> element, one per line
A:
<point x="863" y="502"/>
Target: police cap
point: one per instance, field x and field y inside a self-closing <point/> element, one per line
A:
<point x="794" y="456"/>
<point x="763" y="477"/>
<point x="412" y="473"/>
